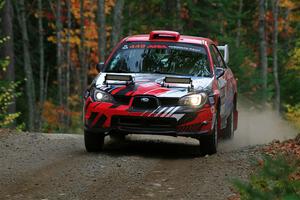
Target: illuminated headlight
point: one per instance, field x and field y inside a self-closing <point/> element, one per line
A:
<point x="102" y="96"/>
<point x="99" y="96"/>
<point x="196" y="100"/>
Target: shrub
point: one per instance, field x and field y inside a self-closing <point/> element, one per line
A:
<point x="7" y="94"/>
<point x="293" y="114"/>
<point x="277" y="178"/>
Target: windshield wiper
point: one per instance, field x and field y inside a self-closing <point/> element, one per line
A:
<point x="159" y="72"/>
<point x="119" y="71"/>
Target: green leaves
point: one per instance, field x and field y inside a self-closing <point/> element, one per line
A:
<point x="1" y="4"/>
<point x="7" y="92"/>
<point x="7" y="95"/>
<point x="277" y="178"/>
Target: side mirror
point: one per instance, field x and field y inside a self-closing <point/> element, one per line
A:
<point x="219" y="72"/>
<point x="225" y="50"/>
<point x="100" y="66"/>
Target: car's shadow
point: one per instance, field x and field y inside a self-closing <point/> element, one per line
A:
<point x="152" y="148"/>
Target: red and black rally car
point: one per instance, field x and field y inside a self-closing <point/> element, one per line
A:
<point x="163" y="83"/>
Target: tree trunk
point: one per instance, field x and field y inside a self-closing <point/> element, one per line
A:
<point x="129" y="18"/>
<point x="263" y="49"/>
<point x="101" y="30"/>
<point x="178" y="20"/>
<point x="239" y="24"/>
<point x="117" y="23"/>
<point x="82" y="49"/>
<point x="30" y="90"/>
<point x="69" y="62"/>
<point x="8" y="47"/>
<point x="59" y="53"/>
<point x="42" y="62"/>
<point x="275" y="56"/>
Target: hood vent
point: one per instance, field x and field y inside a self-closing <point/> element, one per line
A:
<point x="176" y="80"/>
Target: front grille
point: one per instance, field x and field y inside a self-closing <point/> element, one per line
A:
<point x="121" y="99"/>
<point x="145" y="102"/>
<point x="144" y="122"/>
<point x="164" y="101"/>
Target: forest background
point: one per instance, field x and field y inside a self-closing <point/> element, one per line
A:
<point x="49" y="49"/>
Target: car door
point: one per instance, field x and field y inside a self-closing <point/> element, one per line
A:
<point x="223" y="84"/>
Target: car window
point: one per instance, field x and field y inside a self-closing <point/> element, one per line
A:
<point x="214" y="57"/>
<point x="219" y="57"/>
<point x="161" y="57"/>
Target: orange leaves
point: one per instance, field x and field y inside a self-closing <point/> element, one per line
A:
<point x="109" y="4"/>
<point x="90" y="29"/>
<point x="287" y="4"/>
<point x="52" y="113"/>
<point x="287" y="147"/>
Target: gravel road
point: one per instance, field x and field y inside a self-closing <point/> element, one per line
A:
<point x="56" y="166"/>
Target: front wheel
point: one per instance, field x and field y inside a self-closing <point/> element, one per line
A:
<point x="209" y="143"/>
<point x="94" y="142"/>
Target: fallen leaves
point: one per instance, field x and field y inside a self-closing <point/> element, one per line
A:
<point x="288" y="147"/>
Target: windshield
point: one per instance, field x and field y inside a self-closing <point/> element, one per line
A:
<point x="160" y="57"/>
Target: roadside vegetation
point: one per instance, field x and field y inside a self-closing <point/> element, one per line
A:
<point x="7" y="91"/>
<point x="276" y="175"/>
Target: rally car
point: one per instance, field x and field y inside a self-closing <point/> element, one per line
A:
<point x="162" y="83"/>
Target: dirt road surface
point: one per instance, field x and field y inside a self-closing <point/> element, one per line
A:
<point x="56" y="166"/>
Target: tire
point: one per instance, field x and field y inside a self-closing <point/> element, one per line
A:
<point x="116" y="136"/>
<point x="229" y="129"/>
<point x="94" y="142"/>
<point x="209" y="143"/>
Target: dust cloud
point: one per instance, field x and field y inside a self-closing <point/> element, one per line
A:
<point x="255" y="127"/>
<point x="258" y="127"/>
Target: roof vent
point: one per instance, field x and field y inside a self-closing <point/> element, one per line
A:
<point x="164" y="35"/>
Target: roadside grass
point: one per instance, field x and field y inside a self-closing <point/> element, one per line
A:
<point x="276" y="174"/>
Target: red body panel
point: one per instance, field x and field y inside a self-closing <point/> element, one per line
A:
<point x="204" y="114"/>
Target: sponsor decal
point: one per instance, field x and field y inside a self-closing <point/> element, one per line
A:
<point x="203" y="42"/>
<point x="157" y="46"/>
<point x="137" y="46"/>
<point x="182" y="48"/>
<point x="125" y="46"/>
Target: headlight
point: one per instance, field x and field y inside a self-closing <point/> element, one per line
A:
<point x="102" y="96"/>
<point x="196" y="100"/>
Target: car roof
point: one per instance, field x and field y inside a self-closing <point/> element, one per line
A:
<point x="181" y="38"/>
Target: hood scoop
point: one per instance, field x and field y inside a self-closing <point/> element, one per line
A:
<point x="114" y="79"/>
<point x="178" y="82"/>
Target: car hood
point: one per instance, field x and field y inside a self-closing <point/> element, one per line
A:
<point x="152" y="84"/>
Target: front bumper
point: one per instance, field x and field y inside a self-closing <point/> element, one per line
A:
<point x="174" y="121"/>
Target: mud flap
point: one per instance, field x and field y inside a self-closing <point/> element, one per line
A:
<point x="235" y="123"/>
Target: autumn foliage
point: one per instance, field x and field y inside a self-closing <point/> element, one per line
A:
<point x="224" y="21"/>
